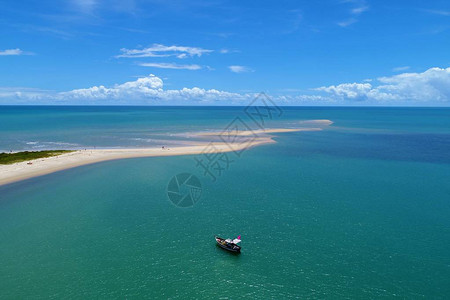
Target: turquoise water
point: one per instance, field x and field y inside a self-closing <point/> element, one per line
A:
<point x="358" y="210"/>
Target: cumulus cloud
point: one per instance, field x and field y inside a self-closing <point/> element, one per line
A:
<point x="144" y="90"/>
<point x="158" y="50"/>
<point x="149" y="90"/>
<point x="352" y="91"/>
<point x="171" y="66"/>
<point x="21" y="92"/>
<point x="431" y="86"/>
<point x="239" y="69"/>
<point x="141" y="86"/>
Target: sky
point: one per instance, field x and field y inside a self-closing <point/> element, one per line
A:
<point x="155" y="52"/>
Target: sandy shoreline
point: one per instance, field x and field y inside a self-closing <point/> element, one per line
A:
<point x="42" y="166"/>
<point x="260" y="131"/>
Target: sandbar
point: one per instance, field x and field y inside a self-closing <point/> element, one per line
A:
<point x="42" y="166"/>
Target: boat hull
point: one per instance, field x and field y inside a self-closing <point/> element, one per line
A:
<point x="227" y="246"/>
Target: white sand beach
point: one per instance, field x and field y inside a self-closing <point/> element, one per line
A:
<point x="42" y="166"/>
<point x="259" y="131"/>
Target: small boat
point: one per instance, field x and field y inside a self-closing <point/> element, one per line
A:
<point x="229" y="244"/>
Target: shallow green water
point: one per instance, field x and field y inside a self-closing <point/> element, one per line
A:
<point x="360" y="210"/>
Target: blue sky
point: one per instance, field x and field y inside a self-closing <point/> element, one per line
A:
<point x="335" y="52"/>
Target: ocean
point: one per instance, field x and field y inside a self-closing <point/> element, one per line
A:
<point x="359" y="210"/>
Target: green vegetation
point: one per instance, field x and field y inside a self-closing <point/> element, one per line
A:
<point x="10" y="158"/>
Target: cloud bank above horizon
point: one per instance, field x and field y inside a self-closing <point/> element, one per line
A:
<point x="429" y="88"/>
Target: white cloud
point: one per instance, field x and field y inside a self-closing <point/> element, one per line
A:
<point x="347" y="22"/>
<point x="16" y="51"/>
<point x="149" y="90"/>
<point x="171" y="66"/>
<point x="359" y="10"/>
<point x="21" y="92"/>
<point x="228" y="51"/>
<point x="158" y="50"/>
<point x="439" y="12"/>
<point x="399" y="69"/>
<point x="142" y="86"/>
<point x="84" y="6"/>
<point x="431" y="86"/>
<point x="352" y="91"/>
<point x="239" y="69"/>
<point x="359" y="7"/>
<point x="144" y="90"/>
